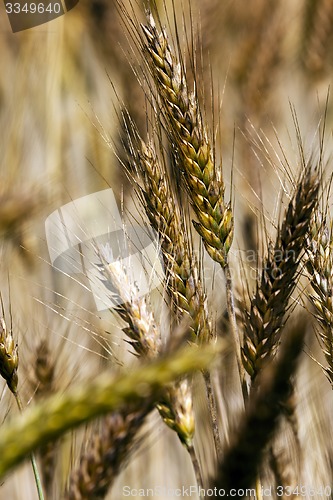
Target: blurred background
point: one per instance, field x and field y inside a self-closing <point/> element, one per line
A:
<point x="60" y="88"/>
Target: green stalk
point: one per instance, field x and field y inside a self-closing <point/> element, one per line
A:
<point x="60" y="412"/>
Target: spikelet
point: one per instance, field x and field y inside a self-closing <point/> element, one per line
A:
<point x="133" y="309"/>
<point x="177" y="410"/>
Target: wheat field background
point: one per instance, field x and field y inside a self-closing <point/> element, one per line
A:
<point x="75" y="95"/>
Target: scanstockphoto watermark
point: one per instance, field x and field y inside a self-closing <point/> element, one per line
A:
<point x="252" y="264"/>
<point x="273" y="265"/>
<point x="303" y="491"/>
<point x="193" y="491"/>
<point x="24" y="15"/>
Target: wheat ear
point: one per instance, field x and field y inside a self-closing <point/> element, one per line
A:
<point x="142" y="331"/>
<point x="203" y="178"/>
<point x="8" y="357"/>
<point x="107" y="452"/>
<point x="320" y="267"/>
<point x="177" y="407"/>
<point x="263" y="322"/>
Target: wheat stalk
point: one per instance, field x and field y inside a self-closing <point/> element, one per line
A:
<point x="264" y="320"/>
